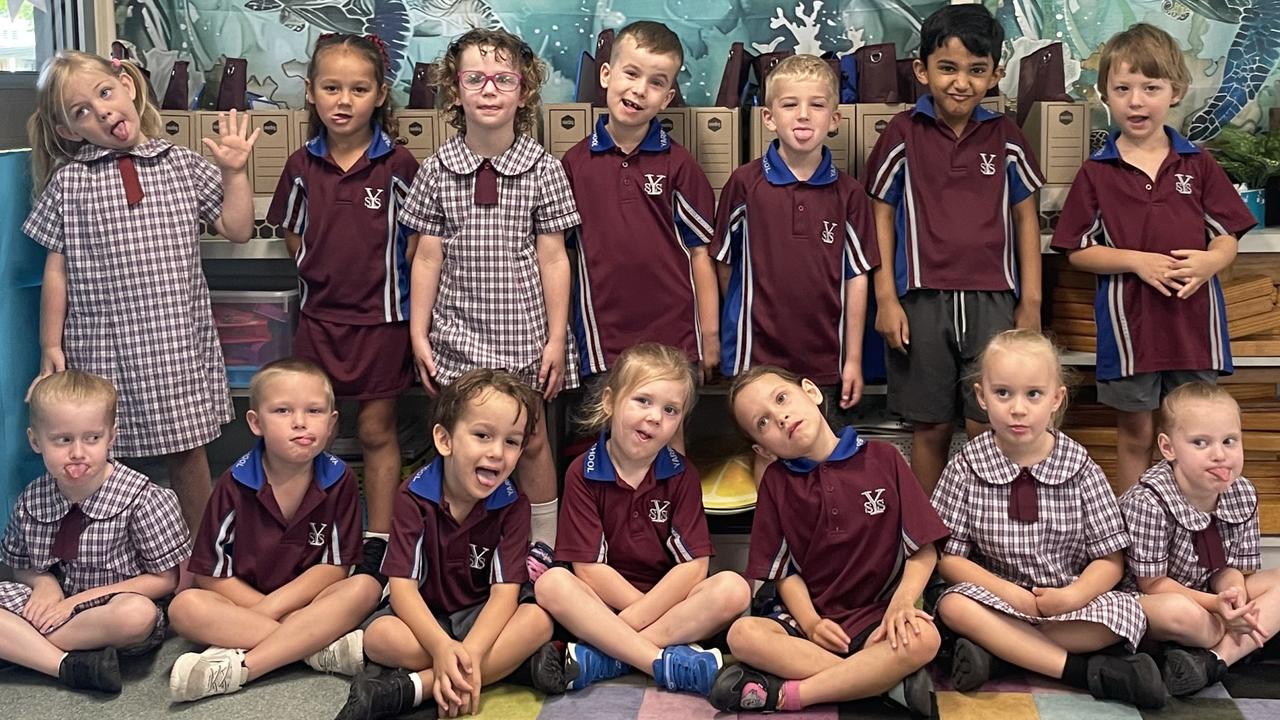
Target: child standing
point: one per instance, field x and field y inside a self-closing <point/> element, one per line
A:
<point x="273" y="554"/>
<point x="844" y="530"/>
<point x="645" y="204"/>
<point x="1194" y="522"/>
<point x="462" y="612"/>
<point x="954" y="187"/>
<point x="635" y="533"/>
<point x="1036" y="541"/>
<point x="79" y="596"/>
<point x="490" y="280"/>
<point x="1156" y="219"/>
<point x="339" y="200"/>
<point x="124" y="296"/>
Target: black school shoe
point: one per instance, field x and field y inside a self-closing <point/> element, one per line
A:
<point x="1134" y="679"/>
<point x="970" y="666"/>
<point x="371" y="553"/>
<point x="547" y="669"/>
<point x="1188" y="670"/>
<point x="91" y="670"/>
<point x="738" y="688"/>
<point x="378" y="693"/>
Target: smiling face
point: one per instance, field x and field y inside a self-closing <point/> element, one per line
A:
<point x="489" y="107"/>
<point x="638" y="83"/>
<point x="74" y="440"/>
<point x="1138" y="104"/>
<point x="482" y="448"/>
<point x="783" y="418"/>
<point x="99" y="109"/>
<point x="1021" y="391"/>
<point x="1204" y="446"/>
<point x="645" y="418"/>
<point x="345" y="91"/>
<point x="294" y="416"/>
<point x="957" y="80"/>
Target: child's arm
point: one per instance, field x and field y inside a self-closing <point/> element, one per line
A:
<point x="494" y="616"/>
<point x="553" y="268"/>
<point x="1152" y="268"/>
<point x="1030" y="289"/>
<point x="300" y="591"/>
<point x="231" y="155"/>
<point x="616" y="591"/>
<point x="891" y="320"/>
<point x="855" y="318"/>
<point x="957" y="569"/>
<point x="706" y="291"/>
<point x="1166" y="584"/>
<point x="799" y="603"/>
<point x="452" y="663"/>
<point x="1194" y="268"/>
<point x="232" y="588"/>
<point x="902" y="619"/>
<point x="150" y="585"/>
<point x="1098" y="577"/>
<point x="424" y="283"/>
<point x="293" y="242"/>
<point x="670" y="590"/>
<point x="53" y="316"/>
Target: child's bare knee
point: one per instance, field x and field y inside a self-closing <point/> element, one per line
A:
<point x="184" y="610"/>
<point x="554" y="588"/>
<point x="958" y="611"/>
<point x="924" y="647"/>
<point x="746" y="632"/>
<point x="731" y="595"/>
<point x="133" y="616"/>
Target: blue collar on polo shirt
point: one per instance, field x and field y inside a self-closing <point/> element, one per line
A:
<point x="380" y="144"/>
<point x="924" y="106"/>
<point x="777" y="172"/>
<point x="597" y="465"/>
<point x="848" y="446"/>
<point x="656" y="140"/>
<point x="1179" y="144"/>
<point x="428" y="483"/>
<point x="248" y="471"/>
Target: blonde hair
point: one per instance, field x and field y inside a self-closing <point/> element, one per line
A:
<point x="799" y="68"/>
<point x="637" y="365"/>
<point x="75" y="387"/>
<point x="1191" y="392"/>
<point x="286" y="366"/>
<point x="1030" y="342"/>
<point x="49" y="150"/>
<point x="506" y="47"/>
<point x="1149" y="50"/>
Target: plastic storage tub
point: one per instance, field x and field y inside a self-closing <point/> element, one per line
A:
<point x="254" y="327"/>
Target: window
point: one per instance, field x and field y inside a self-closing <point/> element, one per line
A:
<point x="18" y="36"/>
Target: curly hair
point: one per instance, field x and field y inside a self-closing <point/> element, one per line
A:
<point x="507" y="48"/>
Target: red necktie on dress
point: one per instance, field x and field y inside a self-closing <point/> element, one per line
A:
<point x="66" y="543"/>
<point x="1209" y="547"/>
<point x="486" y="184"/>
<point x="1022" y="498"/>
<point x="129" y="175"/>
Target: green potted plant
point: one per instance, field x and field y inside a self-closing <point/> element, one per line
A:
<point x="1251" y="160"/>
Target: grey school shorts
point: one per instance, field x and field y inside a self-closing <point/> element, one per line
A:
<point x="948" y="329"/>
<point x="457" y="623"/>
<point x="1144" y="391"/>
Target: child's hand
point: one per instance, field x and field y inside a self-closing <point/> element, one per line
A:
<point x="1057" y="601"/>
<point x="453" y="668"/>
<point x="425" y="364"/>
<point x="1194" y="268"/>
<point x="710" y="356"/>
<point x="51" y="361"/>
<point x="851" y="385"/>
<point x="891" y="322"/>
<point x="1022" y="599"/>
<point x="829" y="635"/>
<point x="1238" y="617"/>
<point x="56" y="615"/>
<point x="44" y="595"/>
<point x="1155" y="270"/>
<point x="1027" y="316"/>
<point x="551" y="374"/>
<point x="901" y="623"/>
<point x="231" y="154"/>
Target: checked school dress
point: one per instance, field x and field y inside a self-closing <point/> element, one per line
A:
<point x="137" y="301"/>
<point x="1078" y="522"/>
<point x="490" y="311"/>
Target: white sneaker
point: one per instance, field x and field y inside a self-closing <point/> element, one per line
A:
<point x="344" y="656"/>
<point x="216" y="671"/>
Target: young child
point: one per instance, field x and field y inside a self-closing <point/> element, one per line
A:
<point x="645" y="204"/>
<point x="1036" y="541"/>
<point x="1194" y="522"/>
<point x="634" y="530"/>
<point x="124" y="296"/>
<point x="796" y="237"/>
<point x="275" y="548"/>
<point x="80" y="597"/>
<point x="954" y="187"/>
<point x="490" y="279"/>
<point x="845" y="532"/>
<point x="338" y="199"/>
<point x="462" y="614"/>
<point x="1156" y="219"/>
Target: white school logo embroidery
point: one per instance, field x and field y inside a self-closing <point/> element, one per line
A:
<point x="1183" y="183"/>
<point x="875" y="503"/>
<point x="988" y="164"/>
<point x="373" y="198"/>
<point x="316" y="536"/>
<point x="659" y="510"/>
<point x="653" y="184"/>
<point x="478" y="557"/>
<point x="828" y="232"/>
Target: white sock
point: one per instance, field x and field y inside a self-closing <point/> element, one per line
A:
<point x="417" y="689"/>
<point x="384" y="537"/>
<point x="542" y="523"/>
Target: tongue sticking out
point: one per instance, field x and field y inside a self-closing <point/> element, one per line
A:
<point x="77" y="470"/>
<point x="120" y="130"/>
<point x="1223" y="474"/>
<point x="488" y="478"/>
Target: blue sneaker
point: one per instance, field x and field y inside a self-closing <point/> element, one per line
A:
<point x="584" y="665"/>
<point x="687" y="668"/>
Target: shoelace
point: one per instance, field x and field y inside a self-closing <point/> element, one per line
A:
<point x="683" y="674"/>
<point x="220" y="677"/>
<point x="327" y="659"/>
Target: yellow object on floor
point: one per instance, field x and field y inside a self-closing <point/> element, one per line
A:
<point x="727" y="487"/>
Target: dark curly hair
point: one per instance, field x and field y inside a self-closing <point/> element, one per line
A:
<point x="370" y="48"/>
<point x="507" y="47"/>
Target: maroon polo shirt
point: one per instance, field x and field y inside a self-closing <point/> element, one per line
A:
<point x="244" y="535"/>
<point x="790" y="246"/>
<point x="641" y="532"/>
<point x="1115" y="204"/>
<point x="456" y="564"/>
<point x="846" y="526"/>
<point x="953" y="197"/>
<point x="642" y="214"/>
<point x="353" y="266"/>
